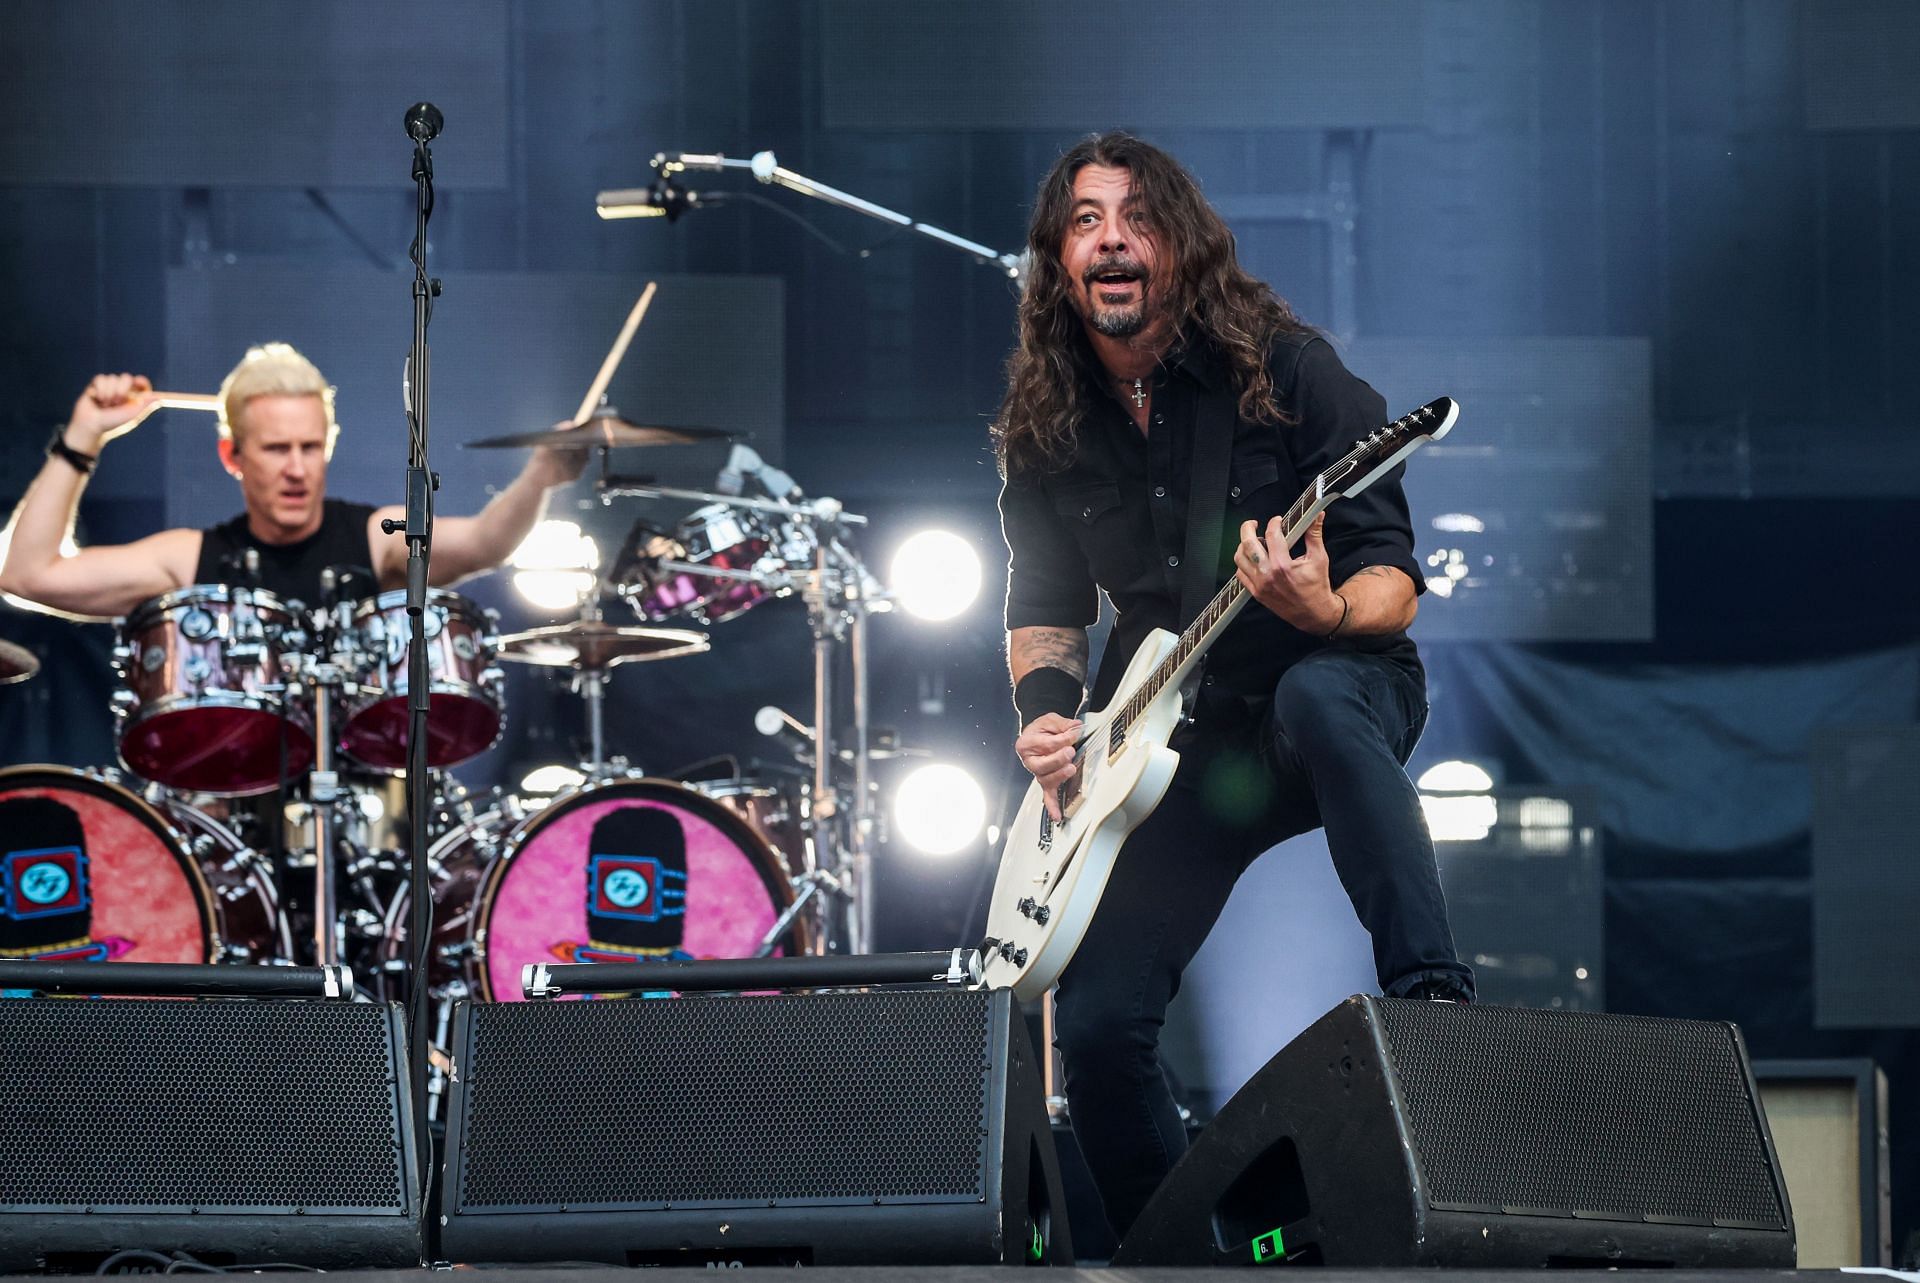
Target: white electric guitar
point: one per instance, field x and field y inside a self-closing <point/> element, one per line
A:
<point x="1052" y="873"/>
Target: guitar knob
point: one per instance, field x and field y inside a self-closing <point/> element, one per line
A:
<point x="1041" y="914"/>
<point x="1006" y="953"/>
<point x="1026" y="907"/>
<point x="1019" y="957"/>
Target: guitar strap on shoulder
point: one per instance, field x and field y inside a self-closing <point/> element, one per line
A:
<point x="1206" y="510"/>
<point x="1206" y="500"/>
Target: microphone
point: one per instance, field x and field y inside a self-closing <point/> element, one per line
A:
<point x="424" y="122"/>
<point x="664" y="197"/>
<point x="673" y="162"/>
<point x="776" y="723"/>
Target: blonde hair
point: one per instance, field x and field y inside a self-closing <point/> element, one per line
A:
<point x="273" y="369"/>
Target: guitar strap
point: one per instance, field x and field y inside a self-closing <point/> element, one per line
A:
<point x="1206" y="501"/>
<point x="1206" y="507"/>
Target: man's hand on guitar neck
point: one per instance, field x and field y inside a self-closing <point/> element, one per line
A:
<point x="1045" y="748"/>
<point x="1376" y="599"/>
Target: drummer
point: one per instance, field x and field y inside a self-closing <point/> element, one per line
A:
<point x="277" y="432"/>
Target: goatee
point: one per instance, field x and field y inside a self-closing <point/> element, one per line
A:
<point x="1120" y="323"/>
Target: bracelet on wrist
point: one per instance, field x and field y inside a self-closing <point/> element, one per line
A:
<point x="58" y="448"/>
<point x="1046" y="690"/>
<point x="1345" y="606"/>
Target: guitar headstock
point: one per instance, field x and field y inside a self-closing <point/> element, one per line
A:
<point x="1386" y="446"/>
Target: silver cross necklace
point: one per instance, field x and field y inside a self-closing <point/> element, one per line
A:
<point x="1139" y="395"/>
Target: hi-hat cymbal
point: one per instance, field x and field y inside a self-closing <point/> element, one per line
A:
<point x="601" y="430"/>
<point x="17" y="663"/>
<point x="593" y="646"/>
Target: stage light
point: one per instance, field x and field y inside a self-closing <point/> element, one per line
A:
<point x="935" y="575"/>
<point x="553" y="566"/>
<point x="1455" y="777"/>
<point x="550" y="779"/>
<point x="1459" y="523"/>
<point x="939" y="809"/>
<point x="1460" y="817"/>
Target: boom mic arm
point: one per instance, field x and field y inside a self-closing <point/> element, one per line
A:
<point x="636" y="202"/>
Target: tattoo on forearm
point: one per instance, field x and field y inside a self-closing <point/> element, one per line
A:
<point x="1062" y="648"/>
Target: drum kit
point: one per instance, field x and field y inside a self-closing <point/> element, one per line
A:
<point x="258" y="812"/>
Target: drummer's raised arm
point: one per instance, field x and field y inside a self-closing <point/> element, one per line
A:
<point x="467" y="546"/>
<point x="96" y="582"/>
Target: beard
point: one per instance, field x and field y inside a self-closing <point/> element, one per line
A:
<point x="1119" y="322"/>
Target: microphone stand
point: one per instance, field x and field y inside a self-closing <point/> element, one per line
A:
<point x="763" y="166"/>
<point x="423" y="123"/>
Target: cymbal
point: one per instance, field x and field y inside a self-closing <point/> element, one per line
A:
<point x="593" y="646"/>
<point x="17" y="663"/>
<point x="601" y="430"/>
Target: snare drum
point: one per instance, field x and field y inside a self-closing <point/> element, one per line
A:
<point x="90" y="872"/>
<point x="733" y="541"/>
<point x="615" y="870"/>
<point x="203" y="704"/>
<point x="468" y="693"/>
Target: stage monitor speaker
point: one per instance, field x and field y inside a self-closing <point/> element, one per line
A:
<point x="1397" y="1133"/>
<point x="241" y="1131"/>
<point x="887" y="1127"/>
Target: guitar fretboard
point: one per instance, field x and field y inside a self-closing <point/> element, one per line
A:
<point x="1226" y="603"/>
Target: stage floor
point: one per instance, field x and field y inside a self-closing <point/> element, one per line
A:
<point x="595" y="1273"/>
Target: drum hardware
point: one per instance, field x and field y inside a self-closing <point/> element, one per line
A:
<point x="323" y="791"/>
<point x="592" y="648"/>
<point x="17" y="663"/>
<point x="814" y="556"/>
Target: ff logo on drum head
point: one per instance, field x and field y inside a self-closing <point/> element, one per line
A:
<point x="44" y="880"/>
<point x="635" y="887"/>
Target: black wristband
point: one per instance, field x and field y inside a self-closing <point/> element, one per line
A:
<point x="59" y="449"/>
<point x="1046" y="690"/>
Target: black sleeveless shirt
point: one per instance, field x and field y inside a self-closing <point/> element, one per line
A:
<point x="290" y="572"/>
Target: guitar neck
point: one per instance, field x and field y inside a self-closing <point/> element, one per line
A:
<point x="1214" y="618"/>
<point x="1353" y="472"/>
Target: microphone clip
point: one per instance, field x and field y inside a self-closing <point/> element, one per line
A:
<point x="670" y="198"/>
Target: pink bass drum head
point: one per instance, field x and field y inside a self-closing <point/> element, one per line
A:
<point x="629" y="870"/>
<point x="91" y="873"/>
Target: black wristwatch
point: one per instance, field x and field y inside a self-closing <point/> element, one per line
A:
<point x="59" y="449"/>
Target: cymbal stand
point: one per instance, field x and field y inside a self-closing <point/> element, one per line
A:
<point x="837" y="612"/>
<point x="327" y="677"/>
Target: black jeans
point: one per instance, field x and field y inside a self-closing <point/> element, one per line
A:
<point x="1330" y="751"/>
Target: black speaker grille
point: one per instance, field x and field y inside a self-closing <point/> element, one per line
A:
<point x="214" y="1105"/>
<point x="830" y="1098"/>
<point x="1559" y="1113"/>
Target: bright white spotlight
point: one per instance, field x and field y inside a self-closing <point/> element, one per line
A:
<point x="935" y="575"/>
<point x="1459" y="817"/>
<point x="552" y="778"/>
<point x="1455" y="777"/>
<point x="554" y="565"/>
<point x="939" y="809"/>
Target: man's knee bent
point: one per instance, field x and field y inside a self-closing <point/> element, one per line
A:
<point x="1320" y="703"/>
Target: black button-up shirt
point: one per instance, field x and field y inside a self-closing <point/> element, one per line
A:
<point x="1115" y="518"/>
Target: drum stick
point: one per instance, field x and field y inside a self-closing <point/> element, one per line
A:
<point x="612" y="363"/>
<point x="185" y="401"/>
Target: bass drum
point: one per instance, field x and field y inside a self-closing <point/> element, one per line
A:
<point x="91" y="872"/>
<point x="615" y="870"/>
